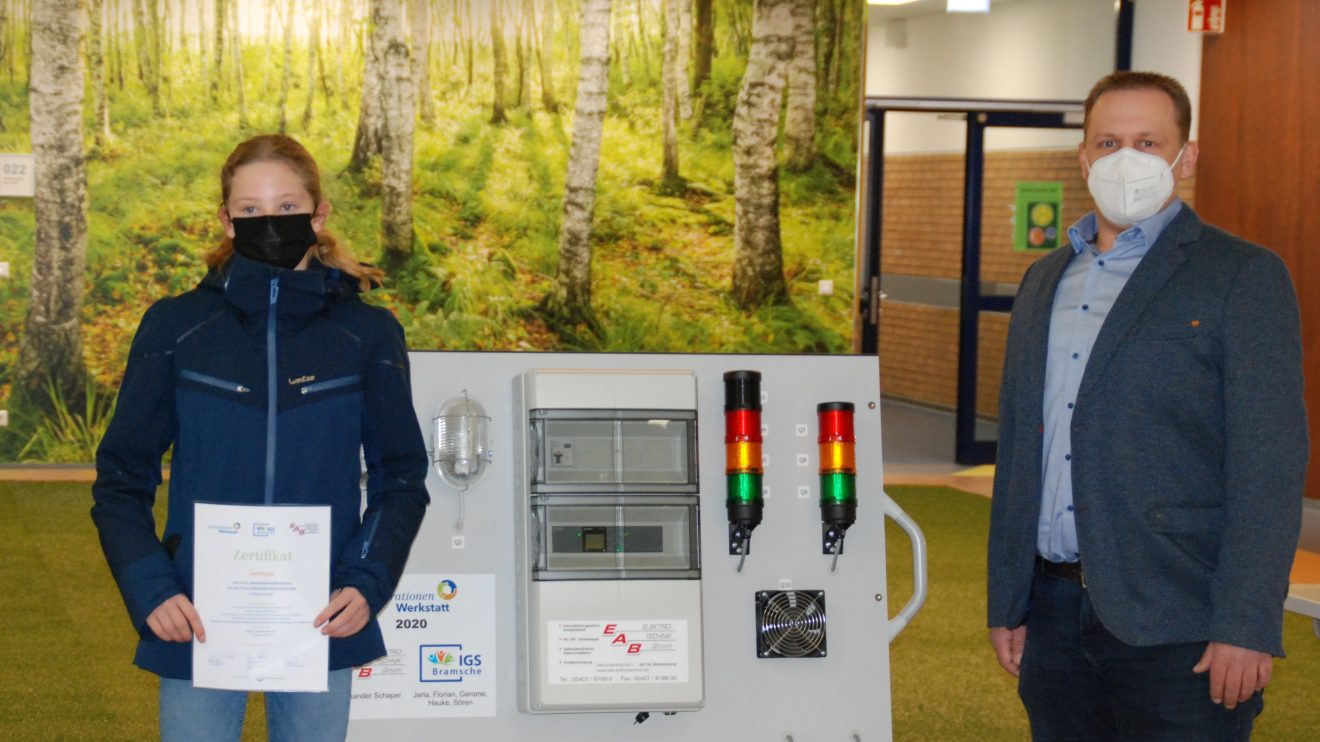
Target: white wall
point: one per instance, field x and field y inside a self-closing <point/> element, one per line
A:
<point x="1022" y="49"/>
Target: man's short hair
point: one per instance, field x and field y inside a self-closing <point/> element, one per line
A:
<point x="1128" y="80"/>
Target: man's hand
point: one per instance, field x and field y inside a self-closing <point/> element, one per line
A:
<point x="352" y="613"/>
<point x="1009" y="644"/>
<point x="1235" y="673"/>
<point x="176" y="620"/>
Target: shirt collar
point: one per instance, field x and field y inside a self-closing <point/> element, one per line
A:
<point x="1142" y="235"/>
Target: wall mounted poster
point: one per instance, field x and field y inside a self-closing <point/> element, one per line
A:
<point x="1038" y="215"/>
<point x="611" y="175"/>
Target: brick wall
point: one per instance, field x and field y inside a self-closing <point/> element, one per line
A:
<point x="922" y="236"/>
<point x="919" y="355"/>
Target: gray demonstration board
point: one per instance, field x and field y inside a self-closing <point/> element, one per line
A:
<point x="843" y="696"/>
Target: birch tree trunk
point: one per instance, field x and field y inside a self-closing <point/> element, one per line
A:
<point x="524" y="52"/>
<point x="321" y="34"/>
<point x="758" y="268"/>
<point x="399" y="111"/>
<point x="705" y="51"/>
<point x="51" y="350"/>
<point x="800" y="118"/>
<point x="183" y="30"/>
<point x="342" y="48"/>
<point x="572" y="299"/>
<point x="203" y="31"/>
<point x="469" y="42"/>
<point x="142" y="39"/>
<point x="497" y="115"/>
<point x="286" y="79"/>
<point x="96" y="65"/>
<point x="420" y="18"/>
<point x="670" y="181"/>
<point x="643" y="41"/>
<point x="218" y="55"/>
<point x="684" y="59"/>
<point x="6" y="61"/>
<point x="160" y="46"/>
<point x="313" y="53"/>
<point x="546" y="57"/>
<point x="236" y="53"/>
<point x="625" y="50"/>
<point x="119" y="44"/>
<point x="367" y="140"/>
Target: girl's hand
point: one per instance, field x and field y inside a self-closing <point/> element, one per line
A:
<point x="348" y="609"/>
<point x="176" y="620"/>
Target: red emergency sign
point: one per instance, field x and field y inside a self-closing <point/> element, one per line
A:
<point x="1206" y="16"/>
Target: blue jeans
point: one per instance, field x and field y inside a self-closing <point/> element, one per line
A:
<point x="1079" y="682"/>
<point x="189" y="714"/>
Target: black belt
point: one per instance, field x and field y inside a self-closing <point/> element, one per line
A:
<point x="1070" y="571"/>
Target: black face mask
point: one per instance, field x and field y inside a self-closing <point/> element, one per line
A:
<point x="281" y="240"/>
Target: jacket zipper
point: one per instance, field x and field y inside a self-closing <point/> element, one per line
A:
<point x="271" y="392"/>
<point x="213" y="381"/>
<point x="371" y="534"/>
<point x="321" y="386"/>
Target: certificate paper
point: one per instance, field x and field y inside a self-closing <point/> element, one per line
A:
<point x="261" y="576"/>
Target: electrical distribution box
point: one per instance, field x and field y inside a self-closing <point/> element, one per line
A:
<point x="608" y="549"/>
<point x="589" y="583"/>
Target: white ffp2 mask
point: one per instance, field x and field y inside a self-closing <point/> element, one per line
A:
<point x="1129" y="186"/>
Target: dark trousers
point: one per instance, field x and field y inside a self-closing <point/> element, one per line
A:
<point x="1079" y="682"/>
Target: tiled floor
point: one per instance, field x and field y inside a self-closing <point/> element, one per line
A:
<point x="917" y="448"/>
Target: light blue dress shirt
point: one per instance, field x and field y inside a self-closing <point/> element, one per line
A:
<point x="1090" y="285"/>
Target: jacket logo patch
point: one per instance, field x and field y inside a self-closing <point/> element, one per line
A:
<point x="301" y="380"/>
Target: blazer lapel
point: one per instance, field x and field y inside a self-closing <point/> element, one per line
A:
<point x="1164" y="259"/>
<point x="1036" y="312"/>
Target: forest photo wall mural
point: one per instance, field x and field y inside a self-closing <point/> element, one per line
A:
<point x="602" y="175"/>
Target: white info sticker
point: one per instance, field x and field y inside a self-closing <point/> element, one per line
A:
<point x="622" y="652"/>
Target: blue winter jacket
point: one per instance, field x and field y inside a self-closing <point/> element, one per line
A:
<point x="199" y="378"/>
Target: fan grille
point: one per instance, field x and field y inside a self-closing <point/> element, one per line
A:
<point x="790" y="623"/>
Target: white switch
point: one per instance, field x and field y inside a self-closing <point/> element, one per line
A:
<point x="825" y="287"/>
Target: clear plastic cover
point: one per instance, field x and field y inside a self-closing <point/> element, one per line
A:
<point x="462" y="442"/>
<point x="615" y="453"/>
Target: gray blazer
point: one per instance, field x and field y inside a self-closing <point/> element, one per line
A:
<point x="1189" y="445"/>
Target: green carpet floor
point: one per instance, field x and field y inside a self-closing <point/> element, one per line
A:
<point x="945" y="680"/>
<point x="67" y="645"/>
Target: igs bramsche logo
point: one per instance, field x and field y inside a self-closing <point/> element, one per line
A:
<point x="448" y="663"/>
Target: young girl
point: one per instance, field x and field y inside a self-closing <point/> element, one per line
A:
<point x="267" y="379"/>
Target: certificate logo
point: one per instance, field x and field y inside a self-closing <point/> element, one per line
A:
<point x="234" y="527"/>
<point x="302" y="529"/>
<point x="447" y="663"/>
<point x="447" y="590"/>
<point x="262" y="530"/>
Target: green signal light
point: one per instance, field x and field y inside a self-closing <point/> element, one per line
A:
<point x="744" y="489"/>
<point x="838" y="488"/>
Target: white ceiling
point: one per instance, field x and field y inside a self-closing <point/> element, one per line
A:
<point x="920" y="7"/>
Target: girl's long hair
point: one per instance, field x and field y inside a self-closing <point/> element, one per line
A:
<point x="280" y="148"/>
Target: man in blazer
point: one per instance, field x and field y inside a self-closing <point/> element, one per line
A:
<point x="1152" y="451"/>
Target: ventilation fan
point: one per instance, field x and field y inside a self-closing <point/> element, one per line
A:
<point x="790" y="623"/>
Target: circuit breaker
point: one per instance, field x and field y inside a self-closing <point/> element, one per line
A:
<point x="608" y="549"/>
